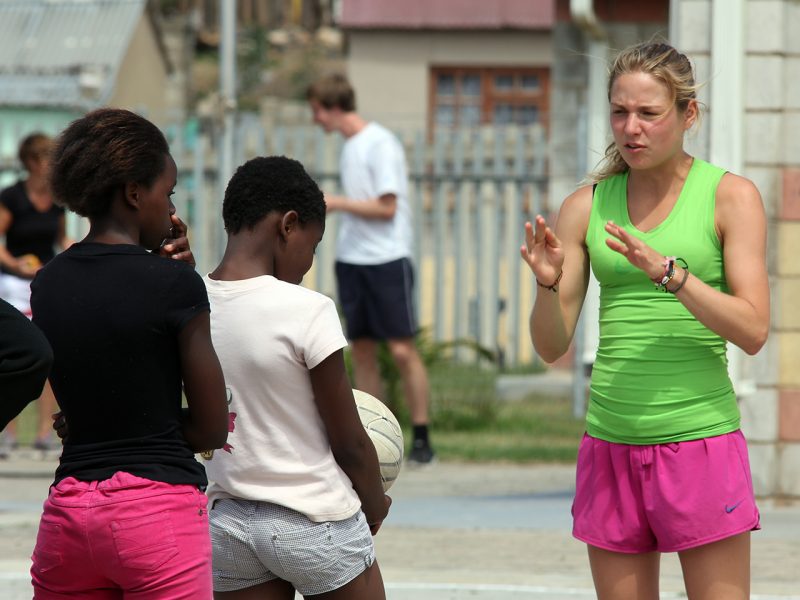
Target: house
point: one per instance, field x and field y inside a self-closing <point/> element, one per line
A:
<point x="462" y="63"/>
<point x="432" y="64"/>
<point x="748" y="53"/>
<point x="59" y="59"/>
<point x="450" y="64"/>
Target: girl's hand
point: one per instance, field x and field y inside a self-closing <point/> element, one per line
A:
<point x="374" y="527"/>
<point x="27" y="266"/>
<point x="542" y="251"/>
<point x="639" y="254"/>
<point x="177" y="246"/>
<point x="60" y="425"/>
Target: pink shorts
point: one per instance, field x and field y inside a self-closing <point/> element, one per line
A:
<point x="123" y="535"/>
<point x="663" y="497"/>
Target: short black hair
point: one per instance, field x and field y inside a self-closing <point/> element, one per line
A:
<point x="270" y="183"/>
<point x="102" y="151"/>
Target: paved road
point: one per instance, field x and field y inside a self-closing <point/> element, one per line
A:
<point x="456" y="531"/>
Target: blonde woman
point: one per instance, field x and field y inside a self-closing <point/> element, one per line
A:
<point x="678" y="247"/>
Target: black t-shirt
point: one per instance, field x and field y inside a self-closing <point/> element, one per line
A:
<point x="112" y="314"/>
<point x="31" y="231"/>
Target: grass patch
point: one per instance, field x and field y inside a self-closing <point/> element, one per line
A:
<point x="536" y="429"/>
<point x="469" y="423"/>
<point x="502" y="447"/>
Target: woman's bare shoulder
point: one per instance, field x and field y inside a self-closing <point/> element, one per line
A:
<point x="736" y="189"/>
<point x="738" y="201"/>
<point x="575" y="210"/>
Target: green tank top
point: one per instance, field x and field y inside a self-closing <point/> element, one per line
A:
<point x="660" y="375"/>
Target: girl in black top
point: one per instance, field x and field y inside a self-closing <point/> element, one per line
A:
<point x="128" y="329"/>
<point x="33" y="226"/>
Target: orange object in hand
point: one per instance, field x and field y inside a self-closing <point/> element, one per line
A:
<point x="31" y="261"/>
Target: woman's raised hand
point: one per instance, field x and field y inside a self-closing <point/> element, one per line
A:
<point x="639" y="254"/>
<point x="542" y="251"/>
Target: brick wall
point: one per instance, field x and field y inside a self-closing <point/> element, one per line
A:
<point x="771" y="151"/>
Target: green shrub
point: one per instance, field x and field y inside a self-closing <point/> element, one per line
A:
<point x="468" y="421"/>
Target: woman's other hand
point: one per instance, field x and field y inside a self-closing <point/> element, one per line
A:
<point x="542" y="251"/>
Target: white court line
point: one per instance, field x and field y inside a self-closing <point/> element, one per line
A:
<point x="540" y="589"/>
<point x="477" y="587"/>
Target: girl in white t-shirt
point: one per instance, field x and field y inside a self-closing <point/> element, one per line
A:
<point x="296" y="493"/>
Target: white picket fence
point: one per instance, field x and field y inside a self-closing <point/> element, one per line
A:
<point x="471" y="193"/>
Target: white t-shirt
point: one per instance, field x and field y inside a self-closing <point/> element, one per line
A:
<point x="268" y="334"/>
<point x="373" y="164"/>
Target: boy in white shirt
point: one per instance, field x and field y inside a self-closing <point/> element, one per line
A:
<point x="374" y="272"/>
<point x="296" y="493"/>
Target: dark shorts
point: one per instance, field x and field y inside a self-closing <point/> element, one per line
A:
<point x="377" y="300"/>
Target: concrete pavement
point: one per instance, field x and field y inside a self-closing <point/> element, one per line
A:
<point x="456" y="531"/>
<point x="503" y="531"/>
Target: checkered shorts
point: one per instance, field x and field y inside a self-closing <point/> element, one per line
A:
<point x="255" y="542"/>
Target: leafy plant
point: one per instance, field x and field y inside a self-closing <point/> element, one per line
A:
<point x="468" y="421"/>
<point x="433" y="354"/>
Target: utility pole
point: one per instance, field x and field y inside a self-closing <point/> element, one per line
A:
<point x="228" y="104"/>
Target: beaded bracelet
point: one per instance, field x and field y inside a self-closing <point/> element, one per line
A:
<point x="669" y="272"/>
<point x="554" y="286"/>
<point x="683" y="281"/>
<point x="670" y="262"/>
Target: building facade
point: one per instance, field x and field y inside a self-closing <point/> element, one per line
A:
<point x="749" y="54"/>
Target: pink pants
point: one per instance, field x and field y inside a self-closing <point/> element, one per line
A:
<point x="123" y="537"/>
